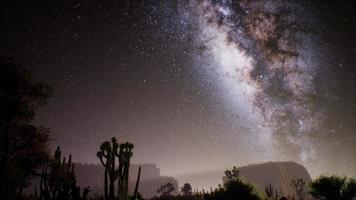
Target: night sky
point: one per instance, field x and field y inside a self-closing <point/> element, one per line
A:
<point x="194" y="84"/>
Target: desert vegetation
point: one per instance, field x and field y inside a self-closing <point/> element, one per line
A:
<point x="24" y="155"/>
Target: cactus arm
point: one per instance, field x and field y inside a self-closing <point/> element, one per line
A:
<point x="137" y="183"/>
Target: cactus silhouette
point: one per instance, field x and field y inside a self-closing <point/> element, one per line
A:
<point x="107" y="159"/>
<point x="124" y="155"/>
<point x="58" y="181"/>
<point x="271" y="192"/>
<point x="136" y="194"/>
<point x="108" y="153"/>
<point x="232" y="174"/>
<point x="298" y="186"/>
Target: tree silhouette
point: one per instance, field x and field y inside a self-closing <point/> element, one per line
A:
<point x="23" y="146"/>
<point x="186" y="189"/>
<point x="166" y="189"/>
<point x="333" y="188"/>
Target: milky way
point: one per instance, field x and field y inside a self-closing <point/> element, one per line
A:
<point x="259" y="54"/>
<point x="224" y="82"/>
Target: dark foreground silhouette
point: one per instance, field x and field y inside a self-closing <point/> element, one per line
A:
<point x="24" y="155"/>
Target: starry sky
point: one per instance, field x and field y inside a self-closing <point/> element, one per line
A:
<point x="195" y="84"/>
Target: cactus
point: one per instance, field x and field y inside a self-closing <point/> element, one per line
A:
<point x="298" y="187"/>
<point x="108" y="153"/>
<point x="124" y="155"/>
<point x="136" y="186"/>
<point x="57" y="179"/>
<point x="271" y="192"/>
<point x="232" y="174"/>
<point x="107" y="159"/>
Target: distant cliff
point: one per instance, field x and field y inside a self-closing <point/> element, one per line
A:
<point x="279" y="174"/>
<point x="92" y="175"/>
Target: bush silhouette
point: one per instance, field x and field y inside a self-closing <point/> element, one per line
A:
<point x="166" y="189"/>
<point x="333" y="188"/>
<point x="234" y="189"/>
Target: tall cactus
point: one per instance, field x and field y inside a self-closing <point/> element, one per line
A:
<point x="124" y="155"/>
<point x="108" y="153"/>
<point x="106" y="156"/>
